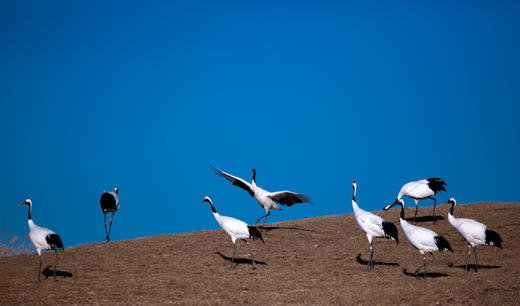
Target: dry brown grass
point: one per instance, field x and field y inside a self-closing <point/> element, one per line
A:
<point x="311" y="261"/>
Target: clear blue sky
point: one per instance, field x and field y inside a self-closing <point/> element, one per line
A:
<point x="149" y="95"/>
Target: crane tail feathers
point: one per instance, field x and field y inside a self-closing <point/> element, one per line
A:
<point x="436" y="184"/>
<point x="254" y="233"/>
<point x="493" y="238"/>
<point x="391" y="231"/>
<point x="54" y="242"/>
<point x="442" y="244"/>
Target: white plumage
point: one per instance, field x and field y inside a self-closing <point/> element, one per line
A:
<point x="236" y="229"/>
<point x="423" y="239"/>
<point x="374" y="226"/>
<point x="42" y="239"/>
<point x="109" y="202"/>
<point x="422" y="190"/>
<point x="475" y="233"/>
<point x="265" y="198"/>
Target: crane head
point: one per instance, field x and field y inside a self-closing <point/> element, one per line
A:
<point x="26" y="202"/>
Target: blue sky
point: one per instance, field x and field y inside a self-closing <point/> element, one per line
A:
<point x="149" y="95"/>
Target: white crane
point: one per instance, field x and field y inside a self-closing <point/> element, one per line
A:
<point x="236" y="229"/>
<point x="109" y="202"/>
<point x="374" y="226"/>
<point x="423" y="239"/>
<point x="42" y="239"/>
<point x="422" y="190"/>
<point x="265" y="198"/>
<point x="475" y="233"/>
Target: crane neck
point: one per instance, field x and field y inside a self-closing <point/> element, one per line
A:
<point x="29" y="217"/>
<point x="452" y="209"/>
<point x="354" y="203"/>
<point x="402" y="213"/>
<point x="213" y="208"/>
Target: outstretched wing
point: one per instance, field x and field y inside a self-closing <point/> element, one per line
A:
<point x="235" y="180"/>
<point x="288" y="197"/>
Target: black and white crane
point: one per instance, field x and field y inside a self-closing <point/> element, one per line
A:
<point x="42" y="239"/>
<point x="422" y="190"/>
<point x="423" y="239"/>
<point x="265" y="198"/>
<point x="475" y="233"/>
<point x="236" y="229"/>
<point x="373" y="225"/>
<point x="109" y="202"/>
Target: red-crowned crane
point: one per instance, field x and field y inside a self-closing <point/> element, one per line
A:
<point x="236" y="229"/>
<point x="43" y="239"/>
<point x="109" y="202"/>
<point x="423" y="239"/>
<point x="475" y="233"/>
<point x="265" y="198"/>
<point x="422" y="190"/>
<point x="373" y="225"/>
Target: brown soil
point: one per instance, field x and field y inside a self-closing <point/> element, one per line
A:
<point x="311" y="261"/>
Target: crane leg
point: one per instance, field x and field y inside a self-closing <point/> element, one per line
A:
<point x="55" y="263"/>
<point x="434" y="204"/>
<point x="106" y="232"/>
<point x="39" y="266"/>
<point x="476" y="262"/>
<point x="370" y="259"/>
<point x="233" y="257"/>
<point x="265" y="218"/>
<point x="424" y="265"/>
<point x="110" y="228"/>
<point x="467" y="259"/>
<point x="416" y="209"/>
<point x="251" y="253"/>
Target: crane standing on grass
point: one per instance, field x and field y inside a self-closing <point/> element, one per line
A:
<point x="374" y="226"/>
<point x="422" y="190"/>
<point x="109" y="202"/>
<point x="236" y="229"/>
<point x="42" y="239"/>
<point x="475" y="233"/>
<point x="423" y="239"/>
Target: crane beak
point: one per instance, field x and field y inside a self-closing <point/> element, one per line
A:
<point x="21" y="204"/>
<point x="447" y="202"/>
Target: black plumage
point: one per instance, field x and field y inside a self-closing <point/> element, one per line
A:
<point x="493" y="238"/>
<point x="54" y="242"/>
<point x="436" y="184"/>
<point x="442" y="244"/>
<point x="289" y="198"/>
<point x="254" y="233"/>
<point x="108" y="202"/>
<point x="390" y="231"/>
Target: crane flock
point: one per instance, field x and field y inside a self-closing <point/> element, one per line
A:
<point x="423" y="239"/>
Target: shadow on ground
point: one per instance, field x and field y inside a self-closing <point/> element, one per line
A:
<point x="239" y="261"/>
<point x="50" y="273"/>
<point x="376" y="263"/>
<point x="472" y="267"/>
<point x="425" y="219"/>
<point x="271" y="228"/>
<point x="421" y="274"/>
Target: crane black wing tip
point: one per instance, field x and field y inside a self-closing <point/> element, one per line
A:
<point x="254" y="233"/>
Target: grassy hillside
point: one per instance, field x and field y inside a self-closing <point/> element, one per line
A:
<point x="319" y="260"/>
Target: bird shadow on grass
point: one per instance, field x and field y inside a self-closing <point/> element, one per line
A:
<point x="271" y="228"/>
<point x="50" y="273"/>
<point x="425" y="219"/>
<point x="376" y="263"/>
<point x="421" y="274"/>
<point x="472" y="267"/>
<point x="239" y="261"/>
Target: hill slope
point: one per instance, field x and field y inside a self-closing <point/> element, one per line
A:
<point x="304" y="261"/>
